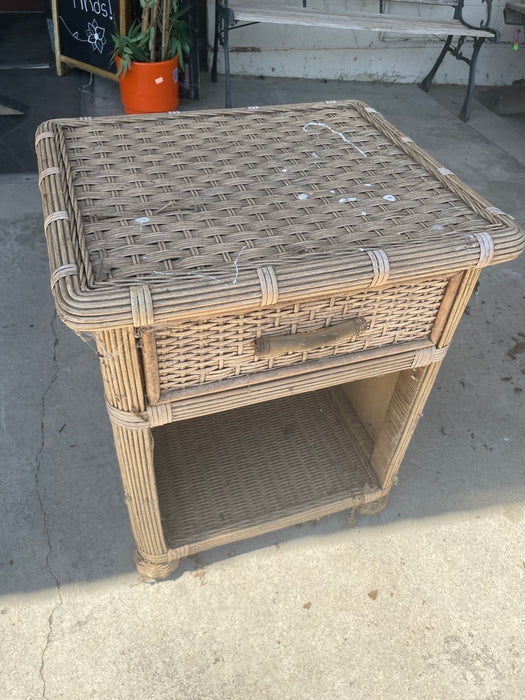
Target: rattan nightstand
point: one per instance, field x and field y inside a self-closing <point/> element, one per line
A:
<point x="272" y="291"/>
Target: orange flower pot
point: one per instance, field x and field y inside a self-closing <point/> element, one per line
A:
<point x="150" y="87"/>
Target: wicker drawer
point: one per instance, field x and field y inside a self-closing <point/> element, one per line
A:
<point x="180" y="357"/>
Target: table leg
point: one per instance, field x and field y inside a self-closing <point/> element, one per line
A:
<point x="135" y="456"/>
<point x="121" y="370"/>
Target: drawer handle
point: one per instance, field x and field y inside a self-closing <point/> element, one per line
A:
<point x="270" y="345"/>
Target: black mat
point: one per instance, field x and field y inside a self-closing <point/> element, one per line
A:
<point x="24" y="39"/>
<point x="35" y="93"/>
<point x="39" y="95"/>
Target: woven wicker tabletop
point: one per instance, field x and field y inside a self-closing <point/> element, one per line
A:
<point x="209" y="212"/>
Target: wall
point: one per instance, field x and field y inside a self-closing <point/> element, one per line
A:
<point x="308" y="52"/>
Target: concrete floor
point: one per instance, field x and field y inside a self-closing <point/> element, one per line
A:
<point x="425" y="600"/>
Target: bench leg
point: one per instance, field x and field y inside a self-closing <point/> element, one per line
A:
<point x="223" y="22"/>
<point x="464" y="113"/>
<point x="427" y="80"/>
<point x="215" y="44"/>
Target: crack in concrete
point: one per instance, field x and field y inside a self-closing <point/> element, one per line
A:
<point x="42" y="508"/>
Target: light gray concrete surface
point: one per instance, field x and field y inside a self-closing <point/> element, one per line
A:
<point x="424" y="601"/>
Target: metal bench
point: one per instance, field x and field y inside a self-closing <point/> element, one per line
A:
<point x="234" y="14"/>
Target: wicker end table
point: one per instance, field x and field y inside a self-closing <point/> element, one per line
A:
<point x="272" y="292"/>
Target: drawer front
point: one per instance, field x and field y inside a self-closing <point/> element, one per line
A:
<point x="203" y="353"/>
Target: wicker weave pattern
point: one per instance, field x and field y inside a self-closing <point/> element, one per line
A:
<point x="218" y="212"/>
<point x="301" y="454"/>
<point x="189" y="196"/>
<point x="196" y="353"/>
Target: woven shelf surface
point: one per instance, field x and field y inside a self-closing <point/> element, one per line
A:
<point x="194" y="205"/>
<point x="250" y="467"/>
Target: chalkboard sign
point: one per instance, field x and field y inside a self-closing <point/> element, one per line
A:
<point x="83" y="30"/>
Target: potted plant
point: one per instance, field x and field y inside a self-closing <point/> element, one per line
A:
<point x="148" y="57"/>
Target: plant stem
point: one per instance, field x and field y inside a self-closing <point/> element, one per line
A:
<point x="166" y="6"/>
<point x="154" y="16"/>
<point x="145" y="18"/>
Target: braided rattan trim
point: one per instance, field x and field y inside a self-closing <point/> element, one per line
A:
<point x="56" y="216"/>
<point x="152" y="418"/>
<point x="160" y="559"/>
<point x="269" y="286"/>
<point x="156" y="567"/>
<point x="63" y="271"/>
<point x="54" y="170"/>
<point x="486" y="249"/>
<point x="183" y="551"/>
<point x="159" y="415"/>
<point x="132" y="421"/>
<point x="380" y="265"/>
<point x="496" y="210"/>
<point x="44" y="135"/>
<point x="425" y="356"/>
<point x="141" y="306"/>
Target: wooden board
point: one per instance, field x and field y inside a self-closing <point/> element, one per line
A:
<point x="358" y="21"/>
<point x="83" y="30"/>
<point x="371" y="398"/>
<point x="450" y="3"/>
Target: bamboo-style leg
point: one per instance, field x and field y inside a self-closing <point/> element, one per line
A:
<point x="374" y="507"/>
<point x="412" y="390"/>
<point x="135" y="456"/>
<point x="124" y="391"/>
<point x="406" y="407"/>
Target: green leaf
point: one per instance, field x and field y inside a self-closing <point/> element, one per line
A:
<point x="136" y="45"/>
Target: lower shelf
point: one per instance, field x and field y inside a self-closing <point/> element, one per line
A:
<point x="240" y="473"/>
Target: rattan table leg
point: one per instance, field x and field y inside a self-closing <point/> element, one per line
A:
<point x="121" y="371"/>
<point x="135" y="456"/>
<point x="151" y="567"/>
<point x="374" y="507"/>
